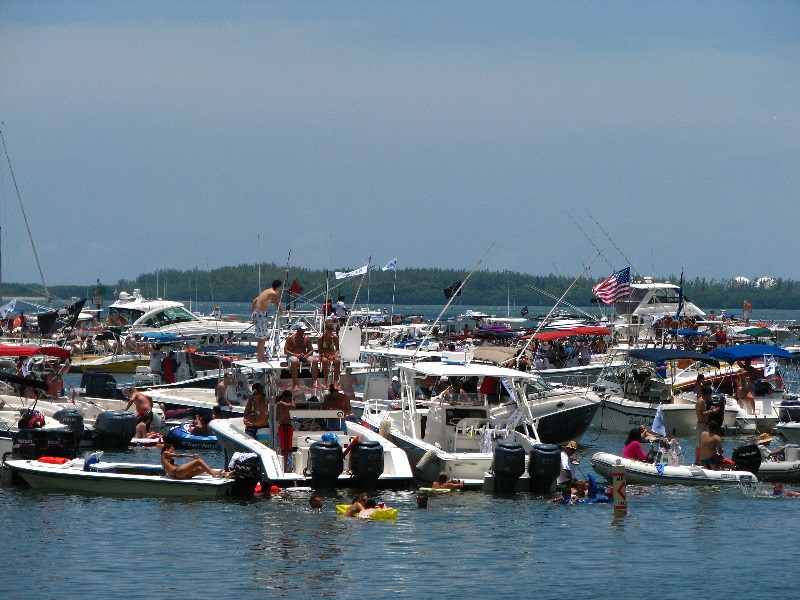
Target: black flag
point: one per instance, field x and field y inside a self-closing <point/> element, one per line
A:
<point x="61" y="319"/>
<point x="449" y="292"/>
<point x="524" y="310"/>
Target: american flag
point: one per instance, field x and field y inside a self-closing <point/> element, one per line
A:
<point x="615" y="287"/>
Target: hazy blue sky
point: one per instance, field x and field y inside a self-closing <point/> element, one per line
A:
<point x="148" y="135"/>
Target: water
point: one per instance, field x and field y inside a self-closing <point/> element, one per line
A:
<point x="675" y="542"/>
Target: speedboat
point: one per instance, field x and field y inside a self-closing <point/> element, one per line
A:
<point x="90" y="475"/>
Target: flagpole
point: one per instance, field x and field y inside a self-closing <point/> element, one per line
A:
<point x="394" y="289"/>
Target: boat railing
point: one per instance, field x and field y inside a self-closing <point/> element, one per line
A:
<point x="469" y="431"/>
<point x="317" y="419"/>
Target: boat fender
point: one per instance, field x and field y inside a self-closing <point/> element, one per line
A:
<point x="53" y="460"/>
<point x="426" y="459"/>
<point x="384" y="428"/>
<point x="350" y="446"/>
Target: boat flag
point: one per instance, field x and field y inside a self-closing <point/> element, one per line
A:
<point x="615" y="287"/>
<point x="770" y="365"/>
<point x="453" y="290"/>
<point x="61" y="319"/>
<point x="355" y="273"/>
<point x="658" y="421"/>
<point x="390" y="266"/>
<point x="296" y="288"/>
<point x="524" y="310"/>
<point x="7" y="309"/>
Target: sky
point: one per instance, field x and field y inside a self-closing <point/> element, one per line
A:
<point x="156" y="135"/>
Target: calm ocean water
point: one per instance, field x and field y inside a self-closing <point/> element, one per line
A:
<point x="675" y="542"/>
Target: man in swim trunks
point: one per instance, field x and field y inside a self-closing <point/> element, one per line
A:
<point x="142" y="402"/>
<point x="711" y="447"/>
<point x="299" y="349"/>
<point x="260" y="305"/>
<point x="285" y="429"/>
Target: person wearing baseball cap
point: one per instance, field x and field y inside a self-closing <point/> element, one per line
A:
<point x="565" y="476"/>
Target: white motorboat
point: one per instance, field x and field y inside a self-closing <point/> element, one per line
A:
<point x="638" y="472"/>
<point x="790" y="430"/>
<point x="632" y="393"/>
<point x="96" y="477"/>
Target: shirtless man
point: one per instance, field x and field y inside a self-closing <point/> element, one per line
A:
<point x="337" y="400"/>
<point x="711" y="447"/>
<point x="55" y="379"/>
<point x="299" y="349"/>
<point x="142" y="402"/>
<point x="283" y="415"/>
<point x="260" y="305"/>
<point x="329" y="353"/>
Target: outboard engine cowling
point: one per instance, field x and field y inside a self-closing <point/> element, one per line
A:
<point x="747" y="458"/>
<point x="544" y="467"/>
<point x="327" y="463"/>
<point x="62" y="442"/>
<point x="366" y="464"/>
<point x="100" y="385"/>
<point x="248" y="473"/>
<point x="29" y="444"/>
<point x="114" y="429"/>
<point x="509" y="465"/>
<point x="789" y="410"/>
<point x="762" y="388"/>
<point x="71" y="418"/>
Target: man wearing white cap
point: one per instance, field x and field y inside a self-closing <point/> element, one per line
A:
<point x="565" y="475"/>
<point x="299" y="349"/>
<point x="394" y="388"/>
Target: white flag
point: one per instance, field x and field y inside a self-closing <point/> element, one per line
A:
<point x="7" y="309"/>
<point x="361" y="271"/>
<point x="770" y="365"/>
<point x="390" y="266"/>
<point x="658" y="421"/>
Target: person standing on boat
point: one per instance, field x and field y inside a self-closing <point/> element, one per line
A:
<point x="747" y="310"/>
<point x="223" y="395"/>
<point x="711" y="447"/>
<point x="300" y="350"/>
<point x="283" y="415"/>
<point x="156" y="359"/>
<point x="142" y="402"/>
<point x="703" y="413"/>
<point x="169" y="366"/>
<point x="565" y="476"/>
<point x="216" y="313"/>
<point x="260" y="305"/>
<point x="341" y="310"/>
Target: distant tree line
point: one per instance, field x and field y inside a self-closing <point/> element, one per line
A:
<point x="410" y="286"/>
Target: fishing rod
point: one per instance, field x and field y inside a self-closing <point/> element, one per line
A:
<point x="355" y="298"/>
<point x="549" y="295"/>
<point x="450" y="301"/>
<point x="613" y="243"/>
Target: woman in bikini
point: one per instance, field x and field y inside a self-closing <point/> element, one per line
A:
<point x="188" y="470"/>
<point x="329" y="353"/>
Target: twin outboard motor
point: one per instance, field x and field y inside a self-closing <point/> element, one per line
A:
<point x="366" y="464"/>
<point x="248" y="473"/>
<point x="789" y="410"/>
<point x="327" y="463"/>
<point x="544" y="467"/>
<point x="509" y="465"/>
<point x="32" y="444"/>
<point x="747" y="458"/>
<point x="114" y="429"/>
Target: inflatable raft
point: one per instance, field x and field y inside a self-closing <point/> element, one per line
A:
<point x="182" y="438"/>
<point x="638" y="472"/>
<point x="381" y="514"/>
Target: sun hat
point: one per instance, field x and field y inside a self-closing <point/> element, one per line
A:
<point x="764" y="438"/>
<point x="573" y="444"/>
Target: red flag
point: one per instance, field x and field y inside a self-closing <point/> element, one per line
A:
<point x="295" y="289"/>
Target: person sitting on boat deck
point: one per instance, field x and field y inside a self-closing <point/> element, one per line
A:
<point x="427" y="387"/>
<point x="299" y="350"/>
<point x="565" y="476"/>
<point x="744" y="385"/>
<point x="394" y="388"/>
<point x="348" y="382"/>
<point x="200" y="426"/>
<point x="337" y="400"/>
<point x="702" y="412"/>
<point x="142" y="402"/>
<point x="633" y="446"/>
<point x="329" y="352"/>
<point x="156" y="358"/>
<point x="711" y="447"/>
<point x="143" y="424"/>
<point x="230" y="339"/>
<point x="221" y="391"/>
<point x="422" y="500"/>
<point x="283" y="416"/>
<point x="188" y="470"/>
<point x="341" y="310"/>
<point x="777" y="490"/>
<point x="260" y="305"/>
<point x="763" y="442"/>
<point x="169" y="365"/>
<point x="443" y="482"/>
<point x="359" y="503"/>
<point x="256" y="411"/>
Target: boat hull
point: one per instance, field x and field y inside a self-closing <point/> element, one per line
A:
<point x="621" y="414"/>
<point x="641" y="473"/>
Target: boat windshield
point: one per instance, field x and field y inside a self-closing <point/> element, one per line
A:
<point x="170" y="316"/>
<point x="129" y="315"/>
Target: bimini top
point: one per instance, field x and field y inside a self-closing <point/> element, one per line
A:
<point x="7" y="350"/>
<point x="731" y="354"/>
<point x="557" y="334"/>
<point x="438" y="369"/>
<point x="659" y="354"/>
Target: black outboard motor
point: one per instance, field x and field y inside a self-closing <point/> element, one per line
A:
<point x="101" y="385"/>
<point x="248" y="473"/>
<point x="366" y="464"/>
<point x="62" y="442"/>
<point x="716" y="401"/>
<point x="762" y="388"/>
<point x="747" y="458"/>
<point x="29" y="444"/>
<point x="327" y="463"/>
<point x="544" y="467"/>
<point x="789" y="410"/>
<point x="71" y="418"/>
<point x="509" y="465"/>
<point x="114" y="429"/>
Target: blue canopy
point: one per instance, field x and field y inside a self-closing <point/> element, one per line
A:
<point x="731" y="354"/>
<point x="690" y="332"/>
<point x="659" y="354"/>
